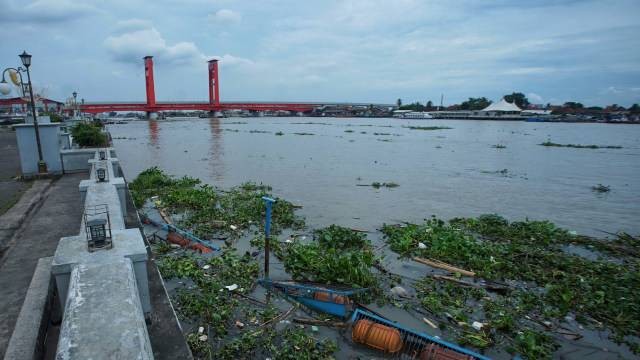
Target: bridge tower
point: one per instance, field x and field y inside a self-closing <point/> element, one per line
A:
<point x="214" y="90"/>
<point x="150" y="85"/>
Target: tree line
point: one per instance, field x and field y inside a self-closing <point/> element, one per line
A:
<point x="521" y="100"/>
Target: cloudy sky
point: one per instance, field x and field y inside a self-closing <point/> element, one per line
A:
<point x="352" y="50"/>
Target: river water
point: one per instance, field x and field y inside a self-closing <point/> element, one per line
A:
<point x="448" y="173"/>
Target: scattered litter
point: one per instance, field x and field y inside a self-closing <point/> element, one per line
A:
<point x="400" y="291"/>
<point x="239" y="324"/>
<point x="231" y="287"/>
<point x="421" y="246"/>
<point x="314" y="328"/>
<point x="477" y="325"/>
<point x="201" y="330"/>
<point x="233" y="227"/>
<point x="207" y="267"/>
<point x="203" y="337"/>
<point x="430" y="323"/>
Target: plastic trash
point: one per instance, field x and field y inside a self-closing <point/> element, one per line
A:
<point x="201" y="330"/>
<point x="400" y="291"/>
<point x="207" y="267"/>
<point x="233" y="227"/>
<point x="421" y="246"/>
<point x="477" y="325"/>
<point x="203" y="337"/>
<point x="314" y="328"/>
<point x="231" y="287"/>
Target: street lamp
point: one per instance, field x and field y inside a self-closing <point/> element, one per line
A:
<point x="14" y="74"/>
<point x="26" y="61"/>
<point x="75" y="104"/>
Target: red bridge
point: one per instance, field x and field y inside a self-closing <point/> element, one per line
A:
<point x="214" y="103"/>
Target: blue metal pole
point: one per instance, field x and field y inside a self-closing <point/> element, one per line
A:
<point x="267" y="230"/>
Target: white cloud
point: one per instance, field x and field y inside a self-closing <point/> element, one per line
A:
<point x="225" y="16"/>
<point x="528" y="71"/>
<point x="133" y="24"/>
<point x="135" y="38"/>
<point x="44" y="11"/>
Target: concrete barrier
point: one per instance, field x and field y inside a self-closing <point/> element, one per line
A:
<point x="104" y="293"/>
<point x="76" y="160"/>
<point x="103" y="318"/>
<point x="29" y="334"/>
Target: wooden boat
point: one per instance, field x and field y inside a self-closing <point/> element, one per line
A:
<point x="181" y="237"/>
<point x="401" y="342"/>
<point x="319" y="298"/>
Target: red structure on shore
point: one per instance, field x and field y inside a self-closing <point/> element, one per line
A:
<point x="214" y="103"/>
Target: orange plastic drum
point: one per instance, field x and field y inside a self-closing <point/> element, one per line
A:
<point x="325" y="296"/>
<point x="377" y="336"/>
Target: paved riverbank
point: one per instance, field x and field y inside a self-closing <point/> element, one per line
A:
<point x="56" y="214"/>
<point x="10" y="189"/>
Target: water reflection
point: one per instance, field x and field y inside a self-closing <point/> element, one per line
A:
<point x="216" y="150"/>
<point x="154" y="137"/>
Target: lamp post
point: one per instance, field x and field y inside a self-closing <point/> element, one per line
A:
<point x="26" y="61"/>
<point x="5" y="88"/>
<point x="75" y="104"/>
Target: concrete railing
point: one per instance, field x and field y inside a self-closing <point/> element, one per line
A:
<point x="104" y="293"/>
<point x="28" y="338"/>
<point x="76" y="160"/>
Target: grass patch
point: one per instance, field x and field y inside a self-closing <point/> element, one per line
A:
<point x="336" y="256"/>
<point x="279" y="133"/>
<point x="578" y="146"/>
<point x="208" y="211"/>
<point x="530" y="252"/>
<point x="303" y="133"/>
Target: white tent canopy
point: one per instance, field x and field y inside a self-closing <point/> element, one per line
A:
<point x="502" y="105"/>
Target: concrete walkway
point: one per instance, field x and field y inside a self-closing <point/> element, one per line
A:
<point x="10" y="189"/>
<point x="58" y="214"/>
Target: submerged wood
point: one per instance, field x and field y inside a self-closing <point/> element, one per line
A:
<point x="489" y="286"/>
<point x="308" y="321"/>
<point x="442" y="265"/>
<point x="279" y="317"/>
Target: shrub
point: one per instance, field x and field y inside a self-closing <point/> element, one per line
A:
<point x="88" y="135"/>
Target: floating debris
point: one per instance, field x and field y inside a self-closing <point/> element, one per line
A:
<point x="578" y="146"/>
<point x="499" y="146"/>
<point x="601" y="188"/>
<point x="427" y="128"/>
<point x="279" y="133"/>
<point x="303" y="133"/>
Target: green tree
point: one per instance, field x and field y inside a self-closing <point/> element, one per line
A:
<point x="634" y="109"/>
<point x="399" y="102"/>
<point x="429" y="106"/>
<point x="573" y="105"/>
<point x="519" y="99"/>
<point x="475" y="104"/>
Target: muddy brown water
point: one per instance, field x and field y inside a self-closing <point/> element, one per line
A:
<point x="449" y="173"/>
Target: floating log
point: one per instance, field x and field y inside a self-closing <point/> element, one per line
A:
<point x="166" y="218"/>
<point x="442" y="265"/>
<point x="308" y="321"/>
<point x="279" y="317"/>
<point x="489" y="286"/>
